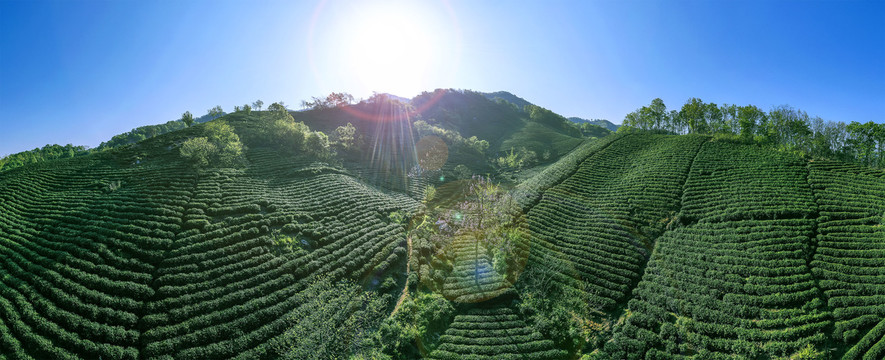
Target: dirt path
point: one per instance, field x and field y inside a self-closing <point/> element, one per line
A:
<point x="405" y="293"/>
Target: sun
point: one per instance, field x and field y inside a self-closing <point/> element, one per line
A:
<point x="390" y="51"/>
<point x="398" y="47"/>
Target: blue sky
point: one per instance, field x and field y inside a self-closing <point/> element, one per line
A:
<point x="82" y="71"/>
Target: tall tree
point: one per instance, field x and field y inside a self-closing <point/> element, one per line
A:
<point x="657" y="112"/>
<point x="729" y="118"/>
<point x="713" y="119"/>
<point x="867" y="142"/>
<point x="188" y="118"/>
<point x="748" y="118"/>
<point x="693" y="112"/>
<point x="257" y="105"/>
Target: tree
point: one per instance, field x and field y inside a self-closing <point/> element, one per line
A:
<point x="868" y="142"/>
<point x="278" y="110"/>
<point x="694" y="115"/>
<point x="631" y="120"/>
<point x="345" y="136"/>
<point x="277" y="106"/>
<point x="729" y="118"/>
<point x="247" y="109"/>
<point x="657" y="112"/>
<point x="677" y="123"/>
<point x="787" y="127"/>
<point x="593" y="130"/>
<point x="220" y="145"/>
<point x="198" y="151"/>
<point x="339" y="99"/>
<point x="651" y="117"/>
<point x="257" y="105"/>
<point x="288" y="134"/>
<point x="487" y="215"/>
<point x="317" y="143"/>
<point x="226" y="140"/>
<point x="714" y="120"/>
<point x="748" y="118"/>
<point x="215" y="112"/>
<point x="475" y="143"/>
<point x="188" y="118"/>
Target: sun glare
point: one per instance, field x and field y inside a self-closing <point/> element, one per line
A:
<point x="398" y="47"/>
<point x="390" y="51"/>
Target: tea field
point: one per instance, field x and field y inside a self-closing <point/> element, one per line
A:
<point x="636" y="246"/>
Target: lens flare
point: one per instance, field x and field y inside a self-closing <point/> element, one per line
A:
<point x="432" y="153"/>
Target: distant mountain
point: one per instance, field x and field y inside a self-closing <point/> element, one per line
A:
<point x="601" y="122"/>
<point x="506" y="96"/>
<point x="521" y="103"/>
<point x="398" y="98"/>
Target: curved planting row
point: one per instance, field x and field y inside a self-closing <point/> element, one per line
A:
<point x="78" y="241"/>
<point x="493" y="333"/>
<point x="733" y="287"/>
<point x="229" y="284"/>
<point x="473" y="277"/>
<point x="731" y="181"/>
<point x="850" y="256"/>
<point x="528" y="192"/>
<point x="599" y="224"/>
<point x="735" y="279"/>
<point x="133" y="254"/>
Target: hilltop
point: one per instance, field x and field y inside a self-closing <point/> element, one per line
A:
<point x="449" y="227"/>
<point x="598" y="122"/>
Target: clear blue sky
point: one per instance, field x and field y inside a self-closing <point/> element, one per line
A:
<point x="82" y="71"/>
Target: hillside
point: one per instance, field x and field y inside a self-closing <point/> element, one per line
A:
<point x="598" y="122"/>
<point x="636" y="246"/>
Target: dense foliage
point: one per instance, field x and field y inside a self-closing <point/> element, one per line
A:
<point x="783" y="127"/>
<point x="48" y="152"/>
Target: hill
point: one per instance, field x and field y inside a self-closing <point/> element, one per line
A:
<point x="520" y="103"/>
<point x="499" y="96"/>
<point x="53" y="152"/>
<point x="633" y="246"/>
<point x="598" y="122"/>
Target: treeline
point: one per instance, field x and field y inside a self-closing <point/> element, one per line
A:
<point x="48" y="152"/>
<point x="141" y="133"/>
<point x="55" y="151"/>
<point x="784" y="128"/>
<point x="148" y="131"/>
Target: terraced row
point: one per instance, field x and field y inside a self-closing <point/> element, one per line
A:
<point x="730" y="181"/>
<point x="78" y="240"/>
<point x="103" y="257"/>
<point x="530" y="191"/>
<point x="850" y="256"/>
<point x="473" y="278"/>
<point x="734" y="279"/>
<point x="733" y="287"/>
<point x="493" y="333"/>
<point x="227" y="288"/>
<point x="598" y="225"/>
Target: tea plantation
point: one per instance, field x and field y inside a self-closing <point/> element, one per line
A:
<point x="632" y="246"/>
